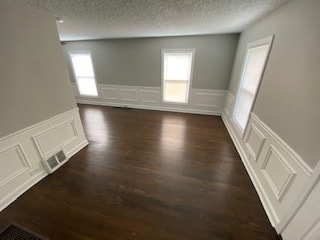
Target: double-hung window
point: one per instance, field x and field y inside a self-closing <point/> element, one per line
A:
<point x="252" y="72"/>
<point x="84" y="74"/>
<point x="177" y="67"/>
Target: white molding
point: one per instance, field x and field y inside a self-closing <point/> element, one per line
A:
<point x="207" y="103"/>
<point x="279" y="193"/>
<point x="281" y="202"/>
<point x="149" y="107"/>
<point x="313" y="180"/>
<point x="150" y="98"/>
<point x="106" y="89"/>
<point x="124" y="91"/>
<point x="77" y="148"/>
<point x="304" y="224"/>
<point x="314" y="232"/>
<point x="254" y="153"/>
<point x="22" y="158"/>
<point x="237" y="127"/>
<point x="28" y="149"/>
<point x="25" y="130"/>
<point x="7" y="200"/>
<point x="38" y="143"/>
<point x="274" y="220"/>
<point x="294" y="154"/>
<point x="145" y="92"/>
<point x="264" y="41"/>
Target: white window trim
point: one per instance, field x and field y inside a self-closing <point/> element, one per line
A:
<point x="265" y="41"/>
<point x="177" y="50"/>
<point x="75" y="77"/>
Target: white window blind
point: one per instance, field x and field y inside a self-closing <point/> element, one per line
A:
<point x="83" y="71"/>
<point x="251" y="76"/>
<point x="177" y="66"/>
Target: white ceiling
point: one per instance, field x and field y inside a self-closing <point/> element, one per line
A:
<point x="98" y="19"/>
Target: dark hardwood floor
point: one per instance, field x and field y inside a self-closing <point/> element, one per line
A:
<point x="146" y="175"/>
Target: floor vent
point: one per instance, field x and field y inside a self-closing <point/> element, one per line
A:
<point x="54" y="162"/>
<point x="14" y="232"/>
<point x="61" y="157"/>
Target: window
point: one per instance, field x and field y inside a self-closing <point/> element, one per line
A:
<point x="83" y="72"/>
<point x="255" y="61"/>
<point x="176" y="74"/>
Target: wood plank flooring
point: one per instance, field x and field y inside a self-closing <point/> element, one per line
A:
<point x="146" y="175"/>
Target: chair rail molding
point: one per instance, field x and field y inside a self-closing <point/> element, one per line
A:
<point x="282" y="178"/>
<point x="22" y="152"/>
<point x="201" y="101"/>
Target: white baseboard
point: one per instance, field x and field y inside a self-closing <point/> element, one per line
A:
<point x="156" y="108"/>
<point x="257" y="184"/>
<point x="77" y="148"/>
<point x="202" y="101"/>
<point x="10" y="198"/>
<point x="22" y="152"/>
<point x="278" y="173"/>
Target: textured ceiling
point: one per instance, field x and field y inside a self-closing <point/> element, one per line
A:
<point x="97" y="19"/>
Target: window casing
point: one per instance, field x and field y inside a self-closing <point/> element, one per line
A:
<point x="252" y="73"/>
<point x="84" y="74"/>
<point x="177" y="67"/>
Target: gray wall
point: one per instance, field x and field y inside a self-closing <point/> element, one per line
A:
<point x="137" y="62"/>
<point x="34" y="82"/>
<point x="288" y="100"/>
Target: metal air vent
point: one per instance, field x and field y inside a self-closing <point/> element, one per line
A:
<point x="54" y="162"/>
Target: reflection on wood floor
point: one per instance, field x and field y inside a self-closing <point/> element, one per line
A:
<point x="146" y="175"/>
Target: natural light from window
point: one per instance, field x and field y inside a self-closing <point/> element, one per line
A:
<point x="83" y="71"/>
<point x="255" y="62"/>
<point x="177" y="69"/>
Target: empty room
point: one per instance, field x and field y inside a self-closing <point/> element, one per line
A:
<point x="163" y="119"/>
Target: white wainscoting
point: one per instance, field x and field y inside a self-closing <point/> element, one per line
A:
<point x="278" y="173"/>
<point x="48" y="142"/>
<point x="255" y="142"/>
<point x="201" y="101"/>
<point x="305" y="225"/>
<point x="21" y="152"/>
<point x="17" y="165"/>
<point x="279" y="169"/>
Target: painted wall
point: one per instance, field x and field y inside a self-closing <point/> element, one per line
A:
<point x="137" y="62"/>
<point x="34" y="82"/>
<point x="288" y="100"/>
<point x="39" y="116"/>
